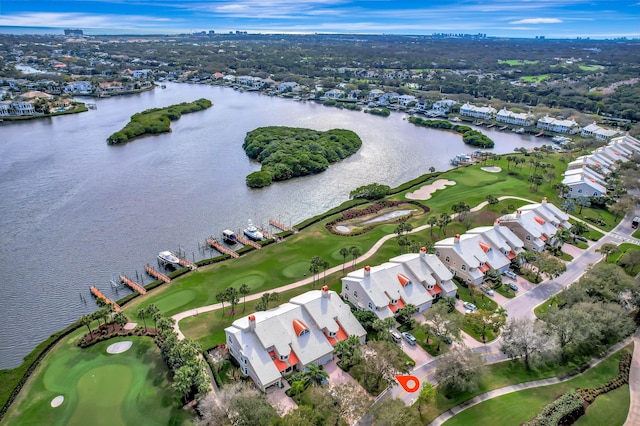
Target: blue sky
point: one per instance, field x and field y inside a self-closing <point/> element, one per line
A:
<point x="512" y="18"/>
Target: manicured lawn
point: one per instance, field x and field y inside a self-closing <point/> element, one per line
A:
<point x="535" y="78"/>
<point x="636" y="234"/>
<point x="100" y="388"/>
<point x="517" y="408"/>
<point x="608" y="409"/>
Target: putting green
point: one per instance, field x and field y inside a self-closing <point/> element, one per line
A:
<point x="173" y="301"/>
<point x="254" y="281"/>
<point x="102" y="392"/>
<point x="297" y="269"/>
<point x="99" y="388"/>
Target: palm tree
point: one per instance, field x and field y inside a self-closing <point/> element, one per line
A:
<point x="314" y="267"/>
<point x="325" y="266"/>
<point x="445" y="219"/>
<point x="244" y="290"/>
<point x="432" y="221"/>
<point x="582" y="201"/>
<point x="232" y="298"/>
<point x="344" y="252"/>
<point x="432" y="169"/>
<point x="316" y="375"/>
<point x="142" y="314"/>
<point x="355" y="252"/>
<point x="153" y="311"/>
<point x="221" y="298"/>
<point x="86" y="320"/>
<point x="120" y="319"/>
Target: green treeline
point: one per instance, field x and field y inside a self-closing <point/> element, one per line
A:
<point x="379" y="111"/>
<point x="156" y="120"/>
<point x="288" y="152"/>
<point x="469" y="135"/>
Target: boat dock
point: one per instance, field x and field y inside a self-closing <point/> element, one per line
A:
<point x="269" y="235"/>
<point x="248" y="242"/>
<point x="540" y="134"/>
<point x="157" y="275"/>
<point x="133" y="285"/>
<point x="213" y="243"/>
<point x="281" y="226"/>
<point x="187" y="264"/>
<point x="98" y="295"/>
<point x="503" y="128"/>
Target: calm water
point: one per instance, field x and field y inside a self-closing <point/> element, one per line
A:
<point x="76" y="212"/>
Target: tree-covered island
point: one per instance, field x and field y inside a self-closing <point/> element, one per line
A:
<point x="156" y="120"/>
<point x="288" y="152"/>
<point x="469" y="135"/>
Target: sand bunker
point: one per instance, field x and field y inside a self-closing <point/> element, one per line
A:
<point x="426" y="191"/>
<point x="118" y="348"/>
<point x="57" y="401"/>
<point x="493" y="169"/>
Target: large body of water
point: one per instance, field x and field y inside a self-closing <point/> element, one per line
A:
<point x="76" y="212"/>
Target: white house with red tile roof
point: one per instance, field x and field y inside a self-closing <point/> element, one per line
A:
<point x="500" y="238"/>
<point x="271" y="344"/>
<point x="471" y="255"/>
<point x="536" y="224"/>
<point x="413" y="278"/>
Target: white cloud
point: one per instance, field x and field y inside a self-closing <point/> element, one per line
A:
<point x="537" y="21"/>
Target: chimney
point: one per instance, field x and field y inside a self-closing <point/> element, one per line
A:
<point x="456" y="239"/>
<point x="367" y="271"/>
<point x="325" y="291"/>
<point x="423" y="252"/>
<point x="518" y="214"/>
<point x="544" y="200"/>
<point x="252" y="322"/>
<point x="496" y="224"/>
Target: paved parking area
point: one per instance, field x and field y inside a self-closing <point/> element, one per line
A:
<point x="416" y="353"/>
<point x="336" y="375"/>
<point x="280" y="401"/>
<point x="572" y="250"/>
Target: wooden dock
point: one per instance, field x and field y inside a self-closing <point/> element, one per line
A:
<point x="539" y="134"/>
<point x="157" y="275"/>
<point x="187" y="264"/>
<point x="490" y="125"/>
<point x="213" y="243"/>
<point x="132" y="285"/>
<point x="503" y="127"/>
<point x="98" y="295"/>
<point x="268" y="234"/>
<point x="281" y="226"/>
<point x="248" y="242"/>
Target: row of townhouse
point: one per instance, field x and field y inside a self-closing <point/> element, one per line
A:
<point x="412" y="278"/>
<point x="270" y="345"/>
<point x="525" y="119"/>
<point x="16" y="108"/>
<point x="599" y="133"/>
<point x="586" y="175"/>
<point x="566" y="127"/>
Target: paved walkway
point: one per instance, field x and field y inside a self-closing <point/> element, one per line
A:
<point x="632" y="420"/>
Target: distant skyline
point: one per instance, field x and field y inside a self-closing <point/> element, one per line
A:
<point x="596" y="19"/>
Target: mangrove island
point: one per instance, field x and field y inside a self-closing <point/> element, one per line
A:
<point x="156" y="120"/>
<point x="469" y="135"/>
<point x="288" y="152"/>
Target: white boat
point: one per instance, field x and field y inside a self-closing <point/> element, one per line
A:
<point x="252" y="232"/>
<point x="229" y="236"/>
<point x="166" y="257"/>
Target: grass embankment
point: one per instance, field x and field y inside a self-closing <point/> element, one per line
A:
<point x="517" y="408"/>
<point x="128" y="388"/>
<point x="155" y="120"/>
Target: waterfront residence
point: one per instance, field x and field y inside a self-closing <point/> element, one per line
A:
<point x="334" y="94"/>
<point x="250" y="81"/>
<point x="375" y="94"/>
<point x="536" y="224"/>
<point x="597" y="132"/>
<point x="16" y="108"/>
<point x="505" y="116"/>
<point x="414" y="278"/>
<point x="405" y="100"/>
<point x="80" y="87"/>
<point x="287" y="86"/>
<point x="567" y="127"/>
<point x="487" y="113"/>
<point x="443" y="106"/>
<point x="269" y="345"/>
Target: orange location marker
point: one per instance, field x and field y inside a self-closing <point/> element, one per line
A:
<point x="409" y="383"/>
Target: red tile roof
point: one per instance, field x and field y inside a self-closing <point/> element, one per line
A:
<point x="539" y="220"/>
<point x="485" y="248"/>
<point x="299" y="327"/>
<point x="404" y="280"/>
<point x="436" y="290"/>
<point x="393" y="308"/>
<point x="511" y="255"/>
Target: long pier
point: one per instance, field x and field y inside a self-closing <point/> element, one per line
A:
<point x="281" y="226"/>
<point x="133" y="285"/>
<point x="187" y="264"/>
<point x="157" y="275"/>
<point x="213" y="243"/>
<point x="98" y="295"/>
<point x="269" y="235"/>
<point x="248" y="242"/>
